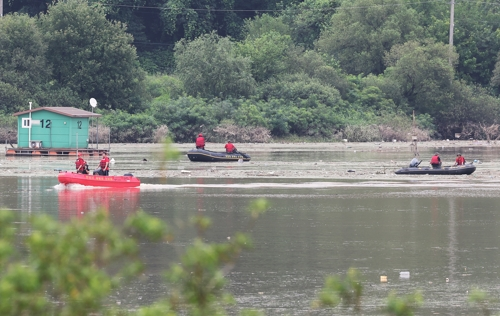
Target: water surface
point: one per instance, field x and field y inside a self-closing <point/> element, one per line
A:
<point x="443" y="232"/>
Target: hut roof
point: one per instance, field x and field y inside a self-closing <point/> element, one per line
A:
<point x="63" y="110"/>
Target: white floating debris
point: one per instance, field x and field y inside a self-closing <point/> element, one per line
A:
<point x="344" y="140"/>
<point x="112" y="160"/>
<point x="383" y="278"/>
<point x="185" y="171"/>
<point x="404" y="274"/>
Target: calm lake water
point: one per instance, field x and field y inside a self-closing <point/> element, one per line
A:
<point x="445" y="234"/>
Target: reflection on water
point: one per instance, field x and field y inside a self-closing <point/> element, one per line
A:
<point x="77" y="200"/>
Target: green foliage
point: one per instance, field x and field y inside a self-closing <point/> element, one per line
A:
<point x="320" y="67"/>
<point x="209" y="67"/>
<point x="308" y="18"/>
<point x="260" y="25"/>
<point x="283" y="71"/>
<point x="403" y="306"/>
<point x="185" y="117"/>
<point x="103" y="64"/>
<point x="159" y="61"/>
<point x="66" y="271"/>
<point x="336" y="291"/>
<point x="471" y="104"/>
<point x="23" y="65"/>
<point x="130" y="128"/>
<point x="190" y="19"/>
<point x="250" y="113"/>
<point x="303" y="106"/>
<point x="389" y="86"/>
<point x="481" y="299"/>
<point x="163" y="87"/>
<point x="424" y="74"/>
<point x="425" y="122"/>
<point x="475" y="36"/>
<point x="268" y="53"/>
<point x="362" y="31"/>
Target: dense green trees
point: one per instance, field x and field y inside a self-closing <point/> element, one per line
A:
<point x="92" y="56"/>
<point x="298" y="68"/>
<point x="209" y="67"/>
<point x="67" y="56"/>
<point x="23" y="64"/>
<point x="362" y="31"/>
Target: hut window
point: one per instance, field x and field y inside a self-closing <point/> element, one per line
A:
<point x="26" y="123"/>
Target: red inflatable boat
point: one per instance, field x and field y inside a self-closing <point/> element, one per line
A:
<point x="126" y="181"/>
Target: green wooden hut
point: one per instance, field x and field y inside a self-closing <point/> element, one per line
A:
<point x="50" y="130"/>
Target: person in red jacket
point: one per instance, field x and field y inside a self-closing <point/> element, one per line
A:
<point x="230" y="149"/>
<point x="200" y="142"/>
<point x="436" y="161"/>
<point x="460" y="160"/>
<point x="103" y="169"/>
<point x="81" y="165"/>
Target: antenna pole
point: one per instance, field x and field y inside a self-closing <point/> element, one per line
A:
<point x="29" y="133"/>
<point x="452" y="25"/>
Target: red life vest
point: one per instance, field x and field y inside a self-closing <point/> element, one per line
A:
<point x="103" y="163"/>
<point x="229" y="148"/>
<point x="435" y="160"/>
<point x="200" y="142"/>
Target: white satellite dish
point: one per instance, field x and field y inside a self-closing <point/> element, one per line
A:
<point x="93" y="102"/>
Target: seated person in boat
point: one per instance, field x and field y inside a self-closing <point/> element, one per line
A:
<point x="81" y="165"/>
<point x="230" y="149"/>
<point x="436" y="161"/>
<point x="103" y="169"/>
<point x="200" y="141"/>
<point x="460" y="160"/>
<point x="415" y="162"/>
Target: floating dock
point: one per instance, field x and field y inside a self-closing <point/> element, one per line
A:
<point x="54" y="151"/>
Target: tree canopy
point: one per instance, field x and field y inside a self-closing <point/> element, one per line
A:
<point x="311" y="68"/>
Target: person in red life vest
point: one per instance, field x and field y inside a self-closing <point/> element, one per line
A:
<point x="460" y="160"/>
<point x="436" y="161"/>
<point x="81" y="165"/>
<point x="200" y="142"/>
<point x="230" y="149"/>
<point x="103" y="169"/>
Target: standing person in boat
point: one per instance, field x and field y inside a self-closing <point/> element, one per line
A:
<point x="230" y="149"/>
<point x="200" y="141"/>
<point x="436" y="161"/>
<point x="81" y="165"/>
<point x="460" y="160"/>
